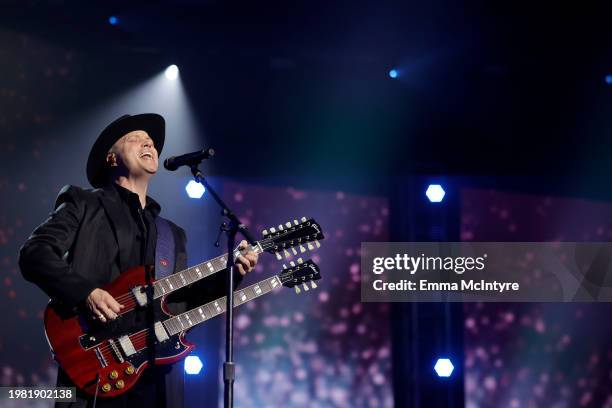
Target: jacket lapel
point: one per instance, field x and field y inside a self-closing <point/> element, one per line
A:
<point x="119" y="221"/>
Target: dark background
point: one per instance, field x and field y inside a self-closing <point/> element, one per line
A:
<point x="483" y="86"/>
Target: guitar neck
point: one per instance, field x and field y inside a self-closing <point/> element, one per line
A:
<point x="209" y="310"/>
<point x="176" y="281"/>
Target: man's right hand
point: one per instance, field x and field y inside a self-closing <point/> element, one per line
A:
<point x="103" y="306"/>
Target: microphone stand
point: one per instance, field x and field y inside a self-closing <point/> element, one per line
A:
<point x="233" y="227"/>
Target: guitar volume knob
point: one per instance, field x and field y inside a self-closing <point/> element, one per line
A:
<point x="129" y="370"/>
<point x="119" y="384"/>
<point x="113" y="375"/>
<point x="106" y="387"/>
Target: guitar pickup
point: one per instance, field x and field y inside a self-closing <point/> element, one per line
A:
<point x="160" y="332"/>
<point x="126" y="345"/>
<point x="140" y="295"/>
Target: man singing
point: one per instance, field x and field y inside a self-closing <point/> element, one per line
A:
<point x="94" y="235"/>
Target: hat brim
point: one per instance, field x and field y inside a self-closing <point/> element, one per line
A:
<point x="152" y="123"/>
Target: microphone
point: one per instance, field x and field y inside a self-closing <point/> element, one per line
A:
<point x="189" y="159"/>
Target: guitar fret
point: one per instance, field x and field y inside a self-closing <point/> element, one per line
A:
<point x="169" y="325"/>
<point x="219" y="305"/>
<point x="177" y="325"/>
<point x="188" y="318"/>
<point x="193" y="276"/>
<point x="164" y="286"/>
<point x="195" y="316"/>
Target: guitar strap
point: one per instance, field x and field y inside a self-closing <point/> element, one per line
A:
<point x="164" y="249"/>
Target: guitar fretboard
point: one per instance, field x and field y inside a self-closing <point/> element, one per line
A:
<point x="184" y="278"/>
<point x="209" y="310"/>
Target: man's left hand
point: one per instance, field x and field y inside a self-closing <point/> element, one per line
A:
<point x="246" y="263"/>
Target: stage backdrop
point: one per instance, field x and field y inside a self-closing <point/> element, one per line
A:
<point x="321" y="348"/>
<point x="536" y="354"/>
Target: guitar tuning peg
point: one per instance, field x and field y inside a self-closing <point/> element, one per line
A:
<point x="292" y="264"/>
<point x="302" y="249"/>
<point x="280" y="227"/>
<point x="300" y="261"/>
<point x="313" y="284"/>
<point x="272" y="230"/>
<point x="288" y="224"/>
<point x="294" y="251"/>
<point x="310" y="246"/>
<point x="278" y="256"/>
<point x="295" y="222"/>
<point x="264" y="232"/>
<point x="284" y="266"/>
<point x="287" y="254"/>
<point x="317" y="243"/>
<point x="305" y="286"/>
<point x="297" y="290"/>
<point x="303" y="219"/>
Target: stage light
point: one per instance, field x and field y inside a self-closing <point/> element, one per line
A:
<point x="194" y="189"/>
<point x="393" y="73"/>
<point x="608" y="79"/>
<point x="444" y="367"/>
<point x="193" y="365"/>
<point x="172" y="72"/>
<point x="435" y="193"/>
<point x="113" y="20"/>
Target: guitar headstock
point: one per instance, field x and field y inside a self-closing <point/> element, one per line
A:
<point x="292" y="236"/>
<point x="300" y="273"/>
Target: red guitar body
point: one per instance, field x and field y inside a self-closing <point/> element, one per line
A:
<point x="110" y="357"/>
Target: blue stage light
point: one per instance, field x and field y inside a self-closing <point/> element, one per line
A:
<point x="393" y="73"/>
<point x="193" y="365"/>
<point x="608" y="79"/>
<point x="435" y="193"/>
<point x="194" y="189"/>
<point x="444" y="367"/>
<point x="113" y="20"/>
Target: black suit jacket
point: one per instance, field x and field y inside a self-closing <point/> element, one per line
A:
<point x="82" y="246"/>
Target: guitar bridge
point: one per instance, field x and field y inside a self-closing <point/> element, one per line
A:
<point x="100" y="356"/>
<point x="116" y="351"/>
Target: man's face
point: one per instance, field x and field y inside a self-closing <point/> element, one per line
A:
<point x="136" y="153"/>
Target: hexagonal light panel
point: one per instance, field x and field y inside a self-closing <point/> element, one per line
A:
<point x="435" y="193"/>
<point x="193" y="365"/>
<point x="194" y="189"/>
<point x="444" y="367"/>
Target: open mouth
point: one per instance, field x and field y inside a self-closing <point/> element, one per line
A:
<point x="146" y="156"/>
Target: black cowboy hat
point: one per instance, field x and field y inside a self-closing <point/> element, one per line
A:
<point x="152" y="123"/>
